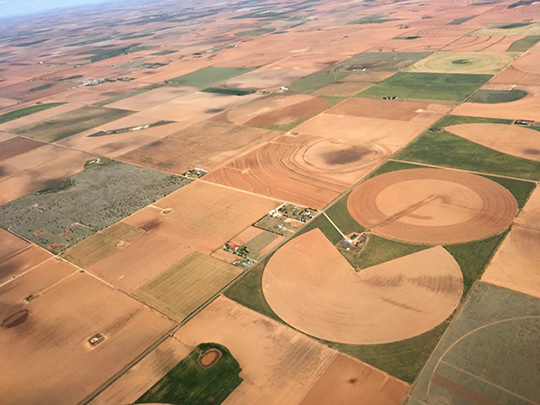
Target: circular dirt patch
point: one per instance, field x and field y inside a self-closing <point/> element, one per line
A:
<point x="432" y="206"/>
<point x="337" y="155"/>
<point x="309" y="285"/>
<point x="463" y="62"/>
<point x="15" y="319"/>
<point x="209" y="358"/>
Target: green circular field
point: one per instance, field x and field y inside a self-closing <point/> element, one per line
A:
<point x="463" y="62"/>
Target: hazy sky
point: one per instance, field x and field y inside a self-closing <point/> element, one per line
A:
<point x="10" y="8"/>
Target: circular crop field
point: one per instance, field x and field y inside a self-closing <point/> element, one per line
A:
<point x="340" y="155"/>
<point x="502" y="354"/>
<point x="432" y="206"/>
<point x="309" y="285"/>
<point x="463" y="62"/>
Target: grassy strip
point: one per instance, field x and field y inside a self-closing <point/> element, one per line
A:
<point x="380" y="250"/>
<point x="232" y="92"/>
<point x="461" y="119"/>
<point x="255" y="32"/>
<point x="163" y="53"/>
<point x="129" y="94"/>
<point x="473" y="257"/>
<point x="42" y="87"/>
<point x="23" y="112"/>
<point x="248" y="291"/>
<point x="448" y="150"/>
<point x="372" y="19"/>
<point x="520" y="189"/>
<point x="333" y="100"/>
<point x="207" y="76"/>
<point x="392" y="166"/>
<point x="339" y="214"/>
<point x="283" y="127"/>
<point x="403" y="359"/>
<point x="523" y="44"/>
<point x="190" y="383"/>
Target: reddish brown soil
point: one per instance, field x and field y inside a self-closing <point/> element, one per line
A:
<point x="16" y="146"/>
<point x="432" y="206"/>
<point x="324" y="296"/>
<point x="286" y="169"/>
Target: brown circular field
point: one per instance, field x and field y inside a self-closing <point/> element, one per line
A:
<point x="340" y="155"/>
<point x="432" y="206"/>
<point x="209" y="358"/>
<point x="313" y="288"/>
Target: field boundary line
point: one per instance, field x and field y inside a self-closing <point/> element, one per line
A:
<point x="333" y="223"/>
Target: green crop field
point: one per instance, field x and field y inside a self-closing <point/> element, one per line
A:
<point x="190" y="383"/>
<point x="497" y="96"/>
<point x="427" y="86"/>
<point x="372" y="19"/>
<point x="380" y="250"/>
<point x="129" y="94"/>
<point x="70" y="123"/>
<point x="232" y="92"/>
<point x="445" y="149"/>
<point x="524" y="44"/>
<point x="473" y="258"/>
<point x="316" y="81"/>
<point x="23" y="112"/>
<point x="207" y="77"/>
<point x="339" y="214"/>
<point x="490" y="351"/>
<point x="255" y="33"/>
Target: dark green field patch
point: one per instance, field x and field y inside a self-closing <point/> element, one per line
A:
<point x="514" y="25"/>
<point x="445" y="149"/>
<point x="70" y="123"/>
<point x="207" y="77"/>
<point x="497" y="96"/>
<point x="190" y="383"/>
<point x="372" y="19"/>
<point x="40" y="88"/>
<point x="461" y="20"/>
<point x="232" y="92"/>
<point x="449" y="120"/>
<point x="255" y="33"/>
<point x="129" y="94"/>
<point x="23" y="112"/>
<point x="164" y="52"/>
<point x="427" y="86"/>
<point x="524" y="44"/>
